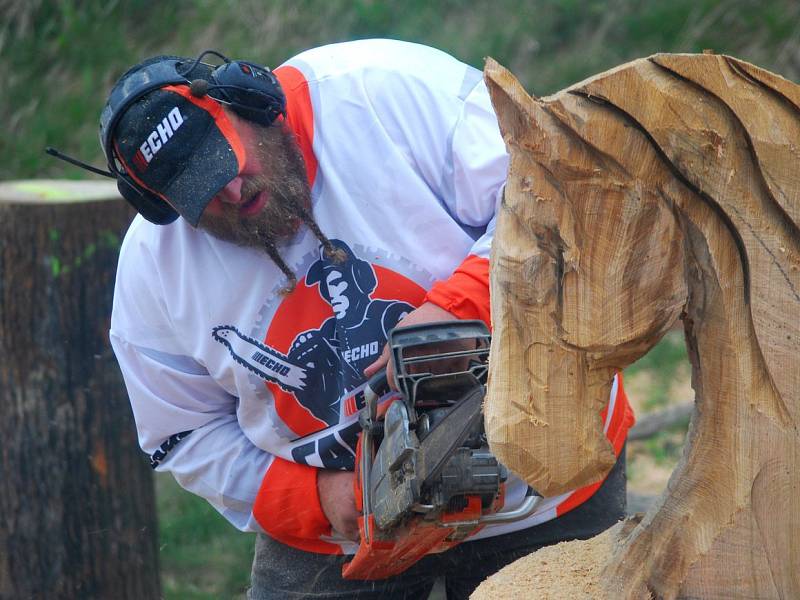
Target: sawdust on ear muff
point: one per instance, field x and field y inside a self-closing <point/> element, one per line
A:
<point x="157" y="210"/>
<point x="252" y="91"/>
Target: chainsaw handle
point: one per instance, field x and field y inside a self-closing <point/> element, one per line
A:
<point x="376" y="386"/>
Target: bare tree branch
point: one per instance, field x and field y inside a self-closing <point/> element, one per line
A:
<point x="651" y="423"/>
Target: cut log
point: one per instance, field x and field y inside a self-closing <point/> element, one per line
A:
<point x="77" y="510"/>
<point x="667" y="186"/>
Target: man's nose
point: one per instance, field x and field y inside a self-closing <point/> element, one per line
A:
<point x="232" y="193"/>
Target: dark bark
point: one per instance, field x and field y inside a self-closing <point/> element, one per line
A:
<point x="77" y="508"/>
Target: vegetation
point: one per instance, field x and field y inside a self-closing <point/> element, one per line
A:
<point x="60" y="57"/>
<point x="202" y="556"/>
<point x="656" y="380"/>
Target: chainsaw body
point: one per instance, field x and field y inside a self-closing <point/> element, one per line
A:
<point x="425" y="478"/>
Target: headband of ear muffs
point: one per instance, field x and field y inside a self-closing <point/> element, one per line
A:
<point x="359" y="270"/>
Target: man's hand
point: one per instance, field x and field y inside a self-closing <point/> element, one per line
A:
<point x="425" y="313"/>
<point x="337" y="498"/>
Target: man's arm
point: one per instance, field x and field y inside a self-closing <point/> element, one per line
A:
<point x="480" y="167"/>
<point x="173" y="394"/>
<point x="212" y="457"/>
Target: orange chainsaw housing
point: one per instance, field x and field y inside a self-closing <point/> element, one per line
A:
<point x="384" y="554"/>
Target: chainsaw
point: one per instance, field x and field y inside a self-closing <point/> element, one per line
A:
<point x="425" y="478"/>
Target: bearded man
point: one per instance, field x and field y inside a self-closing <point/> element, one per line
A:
<point x="357" y="179"/>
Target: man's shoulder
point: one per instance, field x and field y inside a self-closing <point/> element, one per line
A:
<point x="369" y="50"/>
<point x="393" y="82"/>
<point x="139" y="229"/>
<point x="142" y="238"/>
<point x="374" y="55"/>
<point x="144" y="235"/>
<point x="150" y="248"/>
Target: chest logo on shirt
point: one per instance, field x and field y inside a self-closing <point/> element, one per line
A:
<point x="322" y="336"/>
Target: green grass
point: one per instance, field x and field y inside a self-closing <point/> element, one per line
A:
<point x="666" y="362"/>
<point x="202" y="556"/>
<point x="650" y="461"/>
<point x="60" y="57"/>
<point x="666" y="446"/>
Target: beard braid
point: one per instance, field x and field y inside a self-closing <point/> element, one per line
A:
<point x="287" y="208"/>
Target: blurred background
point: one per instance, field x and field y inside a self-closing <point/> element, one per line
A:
<point x="58" y="59"/>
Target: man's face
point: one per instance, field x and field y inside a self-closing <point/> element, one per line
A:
<point x="257" y="208"/>
<point x="337" y="289"/>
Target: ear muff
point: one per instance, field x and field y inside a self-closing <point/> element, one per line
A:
<point x="364" y="276"/>
<point x="150" y="206"/>
<point x="252" y="91"/>
<point x="360" y="271"/>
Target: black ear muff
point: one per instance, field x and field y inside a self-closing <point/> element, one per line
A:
<point x="360" y="273"/>
<point x="252" y="91"/>
<point x="364" y="276"/>
<point x="151" y="207"/>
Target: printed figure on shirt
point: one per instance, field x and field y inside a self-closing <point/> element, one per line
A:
<point x="336" y="354"/>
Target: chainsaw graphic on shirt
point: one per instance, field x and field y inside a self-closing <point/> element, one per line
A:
<point x="289" y="372"/>
<point x="323" y="366"/>
<point x="262" y="360"/>
<point x="332" y="448"/>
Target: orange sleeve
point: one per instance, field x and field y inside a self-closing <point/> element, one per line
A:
<point x="287" y="507"/>
<point x="622" y="419"/>
<point x="466" y="292"/>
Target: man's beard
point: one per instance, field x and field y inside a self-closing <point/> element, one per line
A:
<point x="288" y="196"/>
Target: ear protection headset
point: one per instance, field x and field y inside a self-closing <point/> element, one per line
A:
<point x="360" y="271"/>
<point x="251" y="91"/>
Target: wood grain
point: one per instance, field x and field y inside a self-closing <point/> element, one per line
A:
<point x="667" y="187"/>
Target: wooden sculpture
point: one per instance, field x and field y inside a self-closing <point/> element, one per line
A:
<point x="668" y="187"/>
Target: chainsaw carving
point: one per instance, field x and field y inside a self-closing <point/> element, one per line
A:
<point x="665" y="187"/>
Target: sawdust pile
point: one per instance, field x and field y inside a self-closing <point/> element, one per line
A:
<point x="568" y="571"/>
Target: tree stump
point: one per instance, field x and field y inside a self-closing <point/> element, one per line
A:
<point x="665" y="187"/>
<point x="77" y="510"/>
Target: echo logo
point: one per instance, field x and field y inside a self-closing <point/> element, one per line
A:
<point x="161" y="134"/>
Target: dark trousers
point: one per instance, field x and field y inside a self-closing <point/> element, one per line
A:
<point x="280" y="571"/>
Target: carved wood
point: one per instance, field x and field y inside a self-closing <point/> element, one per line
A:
<point x="665" y="187"/>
